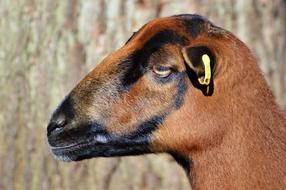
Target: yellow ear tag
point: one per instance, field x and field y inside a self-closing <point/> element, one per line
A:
<point x="207" y="78"/>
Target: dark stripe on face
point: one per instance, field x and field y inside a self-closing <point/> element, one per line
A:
<point x="181" y="90"/>
<point x="193" y="23"/>
<point x="147" y="127"/>
<point x="63" y="115"/>
<point x="134" y="66"/>
<point x="66" y="108"/>
<point x="93" y="140"/>
<point x="164" y="37"/>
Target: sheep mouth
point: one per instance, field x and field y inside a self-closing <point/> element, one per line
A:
<point x="92" y="140"/>
<point x="77" y="152"/>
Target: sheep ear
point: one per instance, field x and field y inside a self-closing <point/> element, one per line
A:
<point x="200" y="60"/>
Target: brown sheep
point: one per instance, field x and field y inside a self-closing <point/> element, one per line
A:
<point x="183" y="86"/>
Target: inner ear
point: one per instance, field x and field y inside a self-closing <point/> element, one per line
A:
<point x="200" y="65"/>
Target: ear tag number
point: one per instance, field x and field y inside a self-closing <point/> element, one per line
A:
<point x="207" y="78"/>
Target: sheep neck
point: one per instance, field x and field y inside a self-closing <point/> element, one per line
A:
<point x="252" y="153"/>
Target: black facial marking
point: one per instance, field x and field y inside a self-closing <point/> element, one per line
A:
<point x="66" y="108"/>
<point x="134" y="66"/>
<point x="164" y="37"/>
<point x="93" y="140"/>
<point x="192" y="22"/>
<point x="181" y="90"/>
<point x="147" y="127"/>
<point x="75" y="135"/>
<point x="61" y="116"/>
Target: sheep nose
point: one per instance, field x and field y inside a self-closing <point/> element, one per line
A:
<point x="56" y="125"/>
<point x="61" y="117"/>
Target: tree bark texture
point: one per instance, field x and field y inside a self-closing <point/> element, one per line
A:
<point x="47" y="46"/>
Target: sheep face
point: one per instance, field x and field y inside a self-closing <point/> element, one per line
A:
<point x="134" y="101"/>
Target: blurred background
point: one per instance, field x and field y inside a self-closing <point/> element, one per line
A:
<point x="47" y="46"/>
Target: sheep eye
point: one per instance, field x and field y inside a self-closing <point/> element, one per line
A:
<point x="162" y="71"/>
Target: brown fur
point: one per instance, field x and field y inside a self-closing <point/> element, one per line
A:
<point x="235" y="138"/>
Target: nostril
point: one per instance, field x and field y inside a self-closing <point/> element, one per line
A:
<point x="56" y="126"/>
<point x="61" y="122"/>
